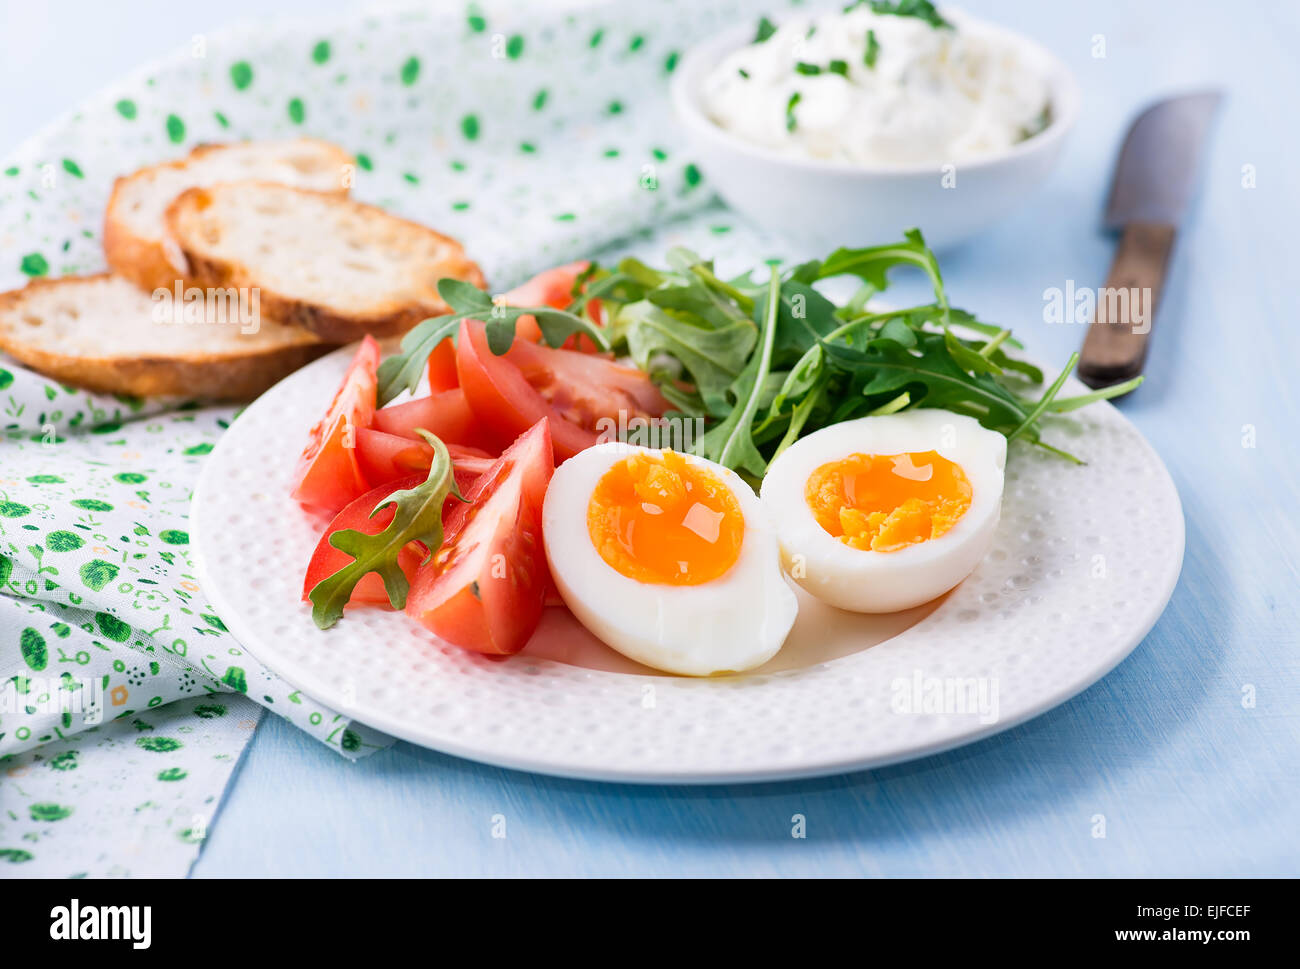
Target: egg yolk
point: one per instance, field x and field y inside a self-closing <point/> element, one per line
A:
<point x="657" y="518"/>
<point x="884" y="502"/>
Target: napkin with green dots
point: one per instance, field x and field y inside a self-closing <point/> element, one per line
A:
<point x="534" y="136"/>
<point x="104" y="627"/>
<point x="102" y="617"/>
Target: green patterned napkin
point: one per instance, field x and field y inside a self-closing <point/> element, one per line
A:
<point x="102" y="616"/>
<point x="133" y="798"/>
<point x="534" y="136"/>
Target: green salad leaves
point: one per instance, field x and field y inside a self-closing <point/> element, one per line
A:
<point x="761" y="362"/>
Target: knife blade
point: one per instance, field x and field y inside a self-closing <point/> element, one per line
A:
<point x="1153" y="185"/>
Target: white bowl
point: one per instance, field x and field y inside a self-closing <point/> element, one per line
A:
<point x="832" y="203"/>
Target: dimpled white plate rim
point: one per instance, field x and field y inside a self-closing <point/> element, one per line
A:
<point x="1084" y="561"/>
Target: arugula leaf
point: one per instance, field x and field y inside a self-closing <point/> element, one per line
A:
<point x="556" y="326"/>
<point x="873" y="263"/>
<point x="804" y="317"/>
<point x="417" y="517"/>
<point x="683" y="402"/>
<point x="1067" y="404"/>
<point x="714" y="358"/>
<point x="967" y="357"/>
<point x="892" y="407"/>
<point x="581" y="281"/>
<point x="682" y="260"/>
<point x="728" y="296"/>
<point x="620" y="286"/>
<point x="699" y="300"/>
<point x="464" y="297"/>
<point x="967" y="320"/>
<point x="405" y="370"/>
<point x="802" y="412"/>
<point x="896" y="330"/>
<point x="945" y="383"/>
<point x="639" y="272"/>
<point x="769" y="386"/>
<point x="862" y="329"/>
<point x="1046" y="401"/>
<point x="801" y="379"/>
<point x="1017" y="366"/>
<point x="731" y="443"/>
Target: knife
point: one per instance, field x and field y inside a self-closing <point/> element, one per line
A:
<point x="1154" y="180"/>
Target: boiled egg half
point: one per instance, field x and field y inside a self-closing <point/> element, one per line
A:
<point x="668" y="558"/>
<point x="884" y="513"/>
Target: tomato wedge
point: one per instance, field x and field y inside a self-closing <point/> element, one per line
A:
<point x="387" y="457"/>
<point x="442" y="367"/>
<point x="470" y="460"/>
<point x="485" y="588"/>
<point x="445" y="415"/>
<point x="328" y="474"/>
<point x="554" y="287"/>
<point x="575" y="391"/>
<point x="327" y="559"/>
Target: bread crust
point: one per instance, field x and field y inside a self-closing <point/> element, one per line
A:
<point x="145" y="261"/>
<point x="220" y="376"/>
<point x="389" y="318"/>
<point x="142" y="260"/>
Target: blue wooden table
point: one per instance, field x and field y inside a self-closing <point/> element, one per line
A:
<point x="1188" y="751"/>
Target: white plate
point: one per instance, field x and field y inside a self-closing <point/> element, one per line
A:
<point x="1083" y="563"/>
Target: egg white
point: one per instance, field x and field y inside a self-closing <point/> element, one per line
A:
<point x="736" y="622"/>
<point x="868" y="581"/>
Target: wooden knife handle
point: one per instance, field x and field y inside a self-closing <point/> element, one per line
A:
<point x="1116" y="345"/>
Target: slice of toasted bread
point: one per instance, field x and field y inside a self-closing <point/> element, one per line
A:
<point x="135" y="234"/>
<point x="103" y="333"/>
<point x="335" y="267"/>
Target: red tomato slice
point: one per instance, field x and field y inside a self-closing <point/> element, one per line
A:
<point x="575" y="391"/>
<point x="473" y="459"/>
<point x="485" y="588"/>
<point x="386" y="457"/>
<point x="327" y="559"/>
<point x="554" y="287"/>
<point x="445" y="415"/>
<point x="584" y="387"/>
<point x="468" y="464"/>
<point x="442" y="367"/>
<point x="328" y="474"/>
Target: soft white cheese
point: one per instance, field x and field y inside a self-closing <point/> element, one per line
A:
<point x="934" y="95"/>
